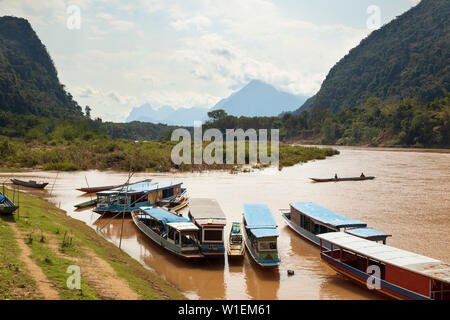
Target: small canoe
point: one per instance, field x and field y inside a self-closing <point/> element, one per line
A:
<point x="7" y="207"/>
<point x="86" y="204"/>
<point x="236" y="245"/>
<point x="105" y="188"/>
<point x="96" y="189"/>
<point x="342" y="179"/>
<point x="30" y="183"/>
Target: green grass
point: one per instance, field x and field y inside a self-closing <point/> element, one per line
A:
<point x="104" y="154"/>
<point x="7" y="169"/>
<point x="44" y="222"/>
<point x="15" y="281"/>
<point x="292" y="155"/>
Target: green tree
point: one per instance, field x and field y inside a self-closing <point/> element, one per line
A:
<point x="217" y="114"/>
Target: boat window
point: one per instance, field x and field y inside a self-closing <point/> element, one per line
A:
<point x="171" y="234"/>
<point x="188" y="240"/>
<point x="267" y="245"/>
<point x="122" y="200"/>
<point x="102" y="199"/>
<point x="236" y="239"/>
<point x="440" y="290"/>
<point x="212" y="235"/>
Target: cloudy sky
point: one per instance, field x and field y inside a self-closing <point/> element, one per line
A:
<point x="187" y="53"/>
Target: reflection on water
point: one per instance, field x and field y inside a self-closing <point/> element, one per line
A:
<point x="410" y="199"/>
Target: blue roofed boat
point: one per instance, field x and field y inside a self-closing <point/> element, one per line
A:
<point x="309" y="219"/>
<point x="172" y="232"/>
<point x="133" y="196"/>
<point x="7" y="207"/>
<point x="261" y="234"/>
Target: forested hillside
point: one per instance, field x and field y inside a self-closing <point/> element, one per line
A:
<point x="407" y="58"/>
<point x="28" y="79"/>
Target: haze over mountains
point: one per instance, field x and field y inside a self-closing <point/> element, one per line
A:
<point x="255" y="99"/>
<point x="167" y="115"/>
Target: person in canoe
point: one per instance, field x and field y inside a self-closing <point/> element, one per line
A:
<point x="335" y="176"/>
<point x="362" y="175"/>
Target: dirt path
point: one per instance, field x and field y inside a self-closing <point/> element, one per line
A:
<point x="43" y="284"/>
<point x="99" y="274"/>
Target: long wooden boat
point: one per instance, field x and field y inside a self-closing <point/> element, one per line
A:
<point x="309" y="220"/>
<point x="7" y="207"/>
<point x="401" y="274"/>
<point x="134" y="196"/>
<point x="86" y="204"/>
<point x="174" y="233"/>
<point x="343" y="179"/>
<point x="236" y="245"/>
<point x="30" y="183"/>
<point x="105" y="188"/>
<point x="208" y="216"/>
<point x="260" y="235"/>
<point x="175" y="202"/>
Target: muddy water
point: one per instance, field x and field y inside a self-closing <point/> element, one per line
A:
<point x="410" y="199"/>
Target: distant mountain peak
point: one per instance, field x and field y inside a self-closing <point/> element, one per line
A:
<point x="258" y="98"/>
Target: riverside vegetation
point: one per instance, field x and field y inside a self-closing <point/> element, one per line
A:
<point x="71" y="145"/>
<point x="408" y="123"/>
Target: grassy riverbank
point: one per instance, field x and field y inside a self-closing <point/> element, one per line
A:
<point x="120" y="154"/>
<point x="54" y="242"/>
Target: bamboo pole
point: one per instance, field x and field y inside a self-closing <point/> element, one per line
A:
<point x="87" y="183"/>
<point x="51" y="191"/>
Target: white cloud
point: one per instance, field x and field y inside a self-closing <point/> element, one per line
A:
<point x="181" y="53"/>
<point x="117" y="24"/>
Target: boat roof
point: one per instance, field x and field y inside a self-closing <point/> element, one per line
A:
<point x="183" y="226"/>
<point x="326" y="216"/>
<point x="410" y="261"/>
<point x="265" y="233"/>
<point x="142" y="187"/>
<point x="207" y="211"/>
<point x="367" y="233"/>
<point x="163" y="215"/>
<point x="260" y="220"/>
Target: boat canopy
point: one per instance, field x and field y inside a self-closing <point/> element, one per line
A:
<point x="206" y="211"/>
<point x="326" y="216"/>
<point x="142" y="187"/>
<point x="410" y="261"/>
<point x="260" y="220"/>
<point x="183" y="226"/>
<point x="367" y="233"/>
<point x="162" y="215"/>
<point x="265" y="233"/>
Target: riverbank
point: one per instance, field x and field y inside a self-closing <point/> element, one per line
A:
<point x="40" y="242"/>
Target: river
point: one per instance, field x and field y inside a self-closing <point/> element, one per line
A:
<point x="410" y="199"/>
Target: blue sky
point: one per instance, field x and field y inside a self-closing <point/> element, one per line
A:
<point x="187" y="53"/>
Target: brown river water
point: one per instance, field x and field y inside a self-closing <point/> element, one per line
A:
<point x="410" y="199"/>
